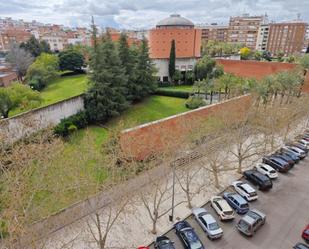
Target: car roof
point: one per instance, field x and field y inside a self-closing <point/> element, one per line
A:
<point x="259" y="213"/>
<point x="248" y="188"/>
<point x="199" y="210"/>
<point x="238" y="198"/>
<point x="266" y="166"/>
<point x="248" y="219"/>
<point x="225" y="206"/>
<point x="209" y="218"/>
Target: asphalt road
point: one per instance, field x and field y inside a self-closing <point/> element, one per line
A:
<point x="286" y="206"/>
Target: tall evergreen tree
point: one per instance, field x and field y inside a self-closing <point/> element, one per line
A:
<point x="106" y="96"/>
<point x="145" y="82"/>
<point x="172" y="61"/>
<point x="127" y="58"/>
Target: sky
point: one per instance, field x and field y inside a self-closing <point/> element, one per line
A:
<point x="135" y="14"/>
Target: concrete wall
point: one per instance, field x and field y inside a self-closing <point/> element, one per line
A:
<point x="30" y="122"/>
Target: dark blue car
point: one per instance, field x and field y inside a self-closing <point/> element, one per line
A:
<point x="237" y="202"/>
<point x="295" y="158"/>
<point x="188" y="236"/>
<point x="285" y="158"/>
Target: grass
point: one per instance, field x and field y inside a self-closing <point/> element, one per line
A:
<point x="60" y="89"/>
<point x="76" y="168"/>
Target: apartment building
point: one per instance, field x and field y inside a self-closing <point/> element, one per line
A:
<point x="244" y="30"/>
<point x="12" y="35"/>
<point x="215" y="32"/>
<point x="262" y="38"/>
<point x="288" y="37"/>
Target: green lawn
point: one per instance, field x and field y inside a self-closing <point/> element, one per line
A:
<point x="60" y="89"/>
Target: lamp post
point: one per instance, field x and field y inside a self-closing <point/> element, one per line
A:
<point x="171" y="217"/>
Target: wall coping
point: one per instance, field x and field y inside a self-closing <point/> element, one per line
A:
<point x="32" y="111"/>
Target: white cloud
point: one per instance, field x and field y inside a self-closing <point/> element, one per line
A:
<point x="145" y="13"/>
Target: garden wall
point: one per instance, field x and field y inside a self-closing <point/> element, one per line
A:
<point x="167" y="134"/>
<point x="258" y="69"/>
<point x="32" y="121"/>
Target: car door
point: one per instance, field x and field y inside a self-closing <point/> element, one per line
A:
<point x="264" y="170"/>
<point x="184" y="240"/>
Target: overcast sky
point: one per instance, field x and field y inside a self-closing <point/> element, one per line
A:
<point x="146" y="13"/>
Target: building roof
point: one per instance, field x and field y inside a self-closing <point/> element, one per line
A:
<point x="175" y="20"/>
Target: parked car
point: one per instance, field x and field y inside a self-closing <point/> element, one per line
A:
<point x="305" y="233"/>
<point x="300" y="246"/>
<point x="143" y="247"/>
<point x="163" y="242"/>
<point x="266" y="170"/>
<point x="208" y="223"/>
<point x="277" y="163"/>
<point x="300" y="146"/>
<point x="300" y="153"/>
<point x="262" y="181"/>
<point x="222" y="208"/>
<point x="237" y="202"/>
<point x="245" y="190"/>
<point x="251" y="222"/>
<point x="187" y="235"/>
<point x="291" y="154"/>
<point x="286" y="158"/>
<point x="304" y="142"/>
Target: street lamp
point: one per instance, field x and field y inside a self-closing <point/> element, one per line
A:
<point x="171" y="217"/>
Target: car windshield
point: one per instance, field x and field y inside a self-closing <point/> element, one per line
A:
<point x="196" y="245"/>
<point x="166" y="244"/>
<point x="214" y="226"/>
<point x="243" y="226"/>
<point x="253" y="215"/>
<point x="272" y="171"/>
<point x="245" y="205"/>
<point x="192" y="238"/>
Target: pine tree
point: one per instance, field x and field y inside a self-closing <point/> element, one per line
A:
<point x="172" y="61"/>
<point x="127" y="58"/>
<point x="145" y="83"/>
<point x="106" y="96"/>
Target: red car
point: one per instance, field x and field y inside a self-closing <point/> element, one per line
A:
<point x="143" y="247"/>
<point x="305" y="234"/>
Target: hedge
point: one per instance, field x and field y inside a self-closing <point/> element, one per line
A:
<point x="71" y="124"/>
<point x="173" y="93"/>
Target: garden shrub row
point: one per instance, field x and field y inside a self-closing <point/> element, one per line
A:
<point x="71" y="124"/>
<point x="173" y="93"/>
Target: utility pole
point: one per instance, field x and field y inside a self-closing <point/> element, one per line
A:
<point x="171" y="217"/>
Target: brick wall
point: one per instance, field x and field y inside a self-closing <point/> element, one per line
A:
<point x="166" y="134"/>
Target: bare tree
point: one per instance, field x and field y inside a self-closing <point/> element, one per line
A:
<point x="102" y="221"/>
<point x="20" y="60"/>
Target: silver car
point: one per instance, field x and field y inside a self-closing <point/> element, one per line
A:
<point x="251" y="222"/>
<point x="208" y="223"/>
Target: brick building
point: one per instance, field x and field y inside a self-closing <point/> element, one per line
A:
<point x="187" y="42"/>
<point x="215" y="32"/>
<point x="12" y="35"/>
<point x="288" y="38"/>
<point x="244" y="30"/>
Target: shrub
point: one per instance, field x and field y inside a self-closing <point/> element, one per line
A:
<point x="194" y="102"/>
<point x="71" y="124"/>
<point x="172" y="93"/>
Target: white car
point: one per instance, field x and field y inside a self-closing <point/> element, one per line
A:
<point x="208" y="223"/>
<point x="245" y="190"/>
<point x="304" y="142"/>
<point x="222" y="208"/>
<point x="266" y="170"/>
<point x="297" y="151"/>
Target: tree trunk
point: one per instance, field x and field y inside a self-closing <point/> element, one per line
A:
<point x="211" y="95"/>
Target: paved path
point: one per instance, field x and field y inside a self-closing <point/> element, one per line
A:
<point x="287" y="210"/>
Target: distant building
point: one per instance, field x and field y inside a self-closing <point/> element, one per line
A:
<point x="214" y="32"/>
<point x="187" y="42"/>
<point x="288" y="38"/>
<point x="12" y="35"/>
<point x="56" y="41"/>
<point x="244" y="30"/>
<point x="262" y="38"/>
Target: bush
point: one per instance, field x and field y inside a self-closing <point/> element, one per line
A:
<point x="172" y="93"/>
<point x="194" y="102"/>
<point x="164" y="84"/>
<point x="68" y="125"/>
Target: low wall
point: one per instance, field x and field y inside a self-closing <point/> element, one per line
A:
<point x="166" y="134"/>
<point x="27" y="123"/>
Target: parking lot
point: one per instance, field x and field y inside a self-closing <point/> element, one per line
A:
<point x="286" y="206"/>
